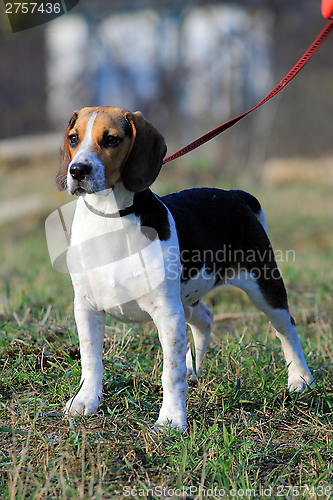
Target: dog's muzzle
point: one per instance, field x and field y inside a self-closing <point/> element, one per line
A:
<point x="79" y="173"/>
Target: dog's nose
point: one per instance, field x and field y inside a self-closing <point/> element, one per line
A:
<point x="79" y="171"/>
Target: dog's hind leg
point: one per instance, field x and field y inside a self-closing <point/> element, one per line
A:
<point x="200" y="318"/>
<point x="266" y="290"/>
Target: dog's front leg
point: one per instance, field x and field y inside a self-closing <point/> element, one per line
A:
<point x="90" y="325"/>
<point x="172" y="333"/>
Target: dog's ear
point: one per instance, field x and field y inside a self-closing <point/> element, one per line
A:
<point x="61" y="178"/>
<point x="144" y="161"/>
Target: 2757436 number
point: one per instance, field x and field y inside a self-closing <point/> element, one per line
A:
<point x="300" y="491"/>
<point x="31" y="7"/>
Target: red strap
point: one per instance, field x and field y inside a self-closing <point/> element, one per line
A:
<point x="298" y="66"/>
<point x="327" y="8"/>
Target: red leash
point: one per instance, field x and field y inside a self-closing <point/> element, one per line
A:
<point x="298" y="66"/>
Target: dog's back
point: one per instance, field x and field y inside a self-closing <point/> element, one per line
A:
<point x="218" y="229"/>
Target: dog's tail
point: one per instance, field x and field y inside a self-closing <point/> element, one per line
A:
<point x="255" y="206"/>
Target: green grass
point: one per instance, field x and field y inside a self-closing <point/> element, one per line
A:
<point x="246" y="438"/>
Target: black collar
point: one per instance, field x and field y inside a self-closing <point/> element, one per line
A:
<point x="139" y="199"/>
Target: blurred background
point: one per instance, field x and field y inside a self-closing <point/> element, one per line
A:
<point x="188" y="65"/>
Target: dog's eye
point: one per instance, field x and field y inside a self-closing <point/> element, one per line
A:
<point x="112" y="140"/>
<point x="73" y="139"/>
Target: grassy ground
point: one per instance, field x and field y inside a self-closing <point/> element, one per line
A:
<point x="246" y="438"/>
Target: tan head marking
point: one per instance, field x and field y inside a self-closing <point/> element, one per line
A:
<point x="117" y="145"/>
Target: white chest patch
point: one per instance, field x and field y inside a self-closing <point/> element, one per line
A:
<point x="115" y="261"/>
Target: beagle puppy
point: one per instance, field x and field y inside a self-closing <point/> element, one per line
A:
<point x="140" y="257"/>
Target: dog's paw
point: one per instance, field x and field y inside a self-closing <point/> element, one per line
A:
<point x="175" y="419"/>
<point x="166" y="425"/>
<point x="84" y="403"/>
<point x="297" y="381"/>
<point x="191" y="375"/>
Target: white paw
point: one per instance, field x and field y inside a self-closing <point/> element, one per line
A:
<point x="174" y="418"/>
<point x="297" y="381"/>
<point x="84" y="403"/>
<point x="190" y="375"/>
<point x="163" y="425"/>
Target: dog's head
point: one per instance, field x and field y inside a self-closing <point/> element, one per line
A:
<point x="104" y="146"/>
